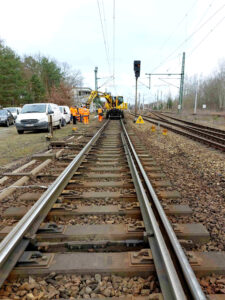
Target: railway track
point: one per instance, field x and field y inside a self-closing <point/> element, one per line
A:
<point x="101" y="220"/>
<point x="213" y="138"/>
<point x="210" y="130"/>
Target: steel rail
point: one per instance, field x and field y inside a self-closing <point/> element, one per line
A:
<point x="203" y="127"/>
<point x="169" y="281"/>
<point x="199" y="131"/>
<point x="189" y="275"/>
<point x="189" y="135"/>
<point x="21" y="232"/>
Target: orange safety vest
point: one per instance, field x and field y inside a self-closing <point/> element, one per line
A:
<point x="85" y="112"/>
<point x="81" y="111"/>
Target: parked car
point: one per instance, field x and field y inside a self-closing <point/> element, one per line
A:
<point x="35" y="116"/>
<point x="6" y="118"/>
<point x="65" y="114"/>
<point x="15" y="111"/>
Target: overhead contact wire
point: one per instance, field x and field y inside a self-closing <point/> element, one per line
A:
<point x="206" y="36"/>
<point x="190" y="36"/>
<point x="103" y="34"/>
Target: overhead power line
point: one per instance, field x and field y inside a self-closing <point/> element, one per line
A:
<point x="106" y="31"/>
<point x="205" y="13"/>
<point x="104" y="38"/>
<point x="114" y="39"/>
<point x="189" y="37"/>
<point x="178" y="25"/>
<point x="206" y="36"/>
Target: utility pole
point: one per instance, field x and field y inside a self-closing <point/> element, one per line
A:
<point x="149" y="80"/>
<point x="173" y="74"/>
<point x="96" y="88"/>
<point x="137" y="69"/>
<point x="181" y="84"/>
<point x="196" y="96"/>
<point x="96" y="78"/>
<point x="157" y="99"/>
<point x="139" y="102"/>
<point x="136" y="96"/>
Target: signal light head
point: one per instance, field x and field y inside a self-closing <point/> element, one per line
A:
<point x="137" y="68"/>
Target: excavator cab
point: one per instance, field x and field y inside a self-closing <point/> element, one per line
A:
<point x="119" y="100"/>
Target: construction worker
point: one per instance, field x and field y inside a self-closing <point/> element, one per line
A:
<point x="85" y="115"/>
<point x="71" y="113"/>
<point x="74" y="113"/>
<point x="100" y="114"/>
<point x="81" y="114"/>
<point x="77" y="114"/>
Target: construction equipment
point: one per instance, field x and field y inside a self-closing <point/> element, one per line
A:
<point x="114" y="105"/>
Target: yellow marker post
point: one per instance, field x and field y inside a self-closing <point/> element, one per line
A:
<point x="140" y="120"/>
<point x="153" y="128"/>
<point x="164" y="132"/>
<point x="48" y="137"/>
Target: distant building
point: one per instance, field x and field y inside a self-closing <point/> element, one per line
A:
<point x="81" y="95"/>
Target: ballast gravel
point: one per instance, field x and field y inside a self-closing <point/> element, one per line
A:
<point x="57" y="286"/>
<point x="196" y="171"/>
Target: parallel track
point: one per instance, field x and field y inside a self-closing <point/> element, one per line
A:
<point x="103" y="166"/>
<point x="216" y="131"/>
<point x="212" y="139"/>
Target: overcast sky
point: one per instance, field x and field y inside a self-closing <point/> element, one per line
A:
<point x="153" y="31"/>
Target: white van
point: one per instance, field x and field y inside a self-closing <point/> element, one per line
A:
<point x="65" y="114"/>
<point x="36" y="116"/>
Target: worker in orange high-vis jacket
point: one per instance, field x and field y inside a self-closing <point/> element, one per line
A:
<point x="100" y="114"/>
<point x="74" y="113"/>
<point x="71" y="113"/>
<point x="81" y="114"/>
<point x="77" y="114"/>
<point x="88" y="110"/>
<point x="85" y="115"/>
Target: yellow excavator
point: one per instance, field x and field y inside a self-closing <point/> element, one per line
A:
<point x="114" y="105"/>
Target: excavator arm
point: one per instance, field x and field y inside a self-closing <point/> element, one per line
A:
<point x="91" y="98"/>
<point x="95" y="94"/>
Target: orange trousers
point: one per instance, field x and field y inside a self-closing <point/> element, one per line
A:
<point x="100" y="118"/>
<point x="85" y="119"/>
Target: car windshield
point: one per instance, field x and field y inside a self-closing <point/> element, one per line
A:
<point x="33" y="108"/>
<point x="61" y="109"/>
<point x="3" y="112"/>
<point x="12" y="109"/>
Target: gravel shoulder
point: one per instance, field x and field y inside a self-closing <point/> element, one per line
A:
<point x="197" y="172"/>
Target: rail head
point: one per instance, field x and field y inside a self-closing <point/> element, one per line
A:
<point x="11" y="241"/>
<point x="189" y="275"/>
<point x="169" y="281"/>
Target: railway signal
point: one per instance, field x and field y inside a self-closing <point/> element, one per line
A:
<point x="137" y="70"/>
